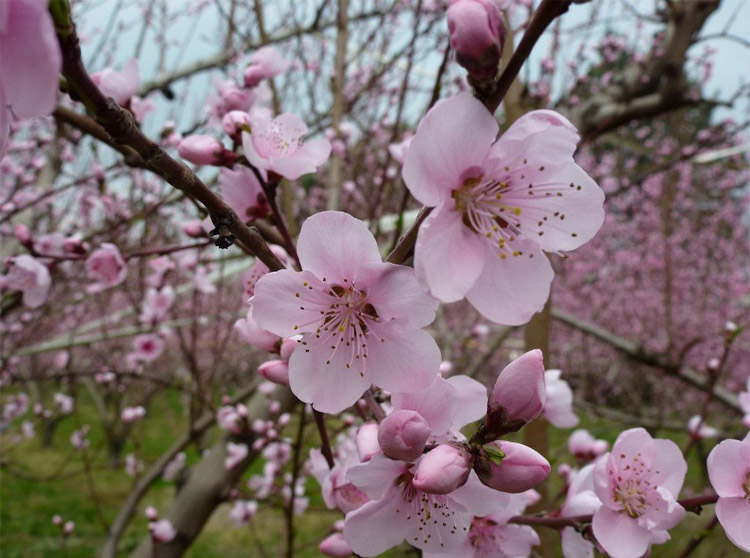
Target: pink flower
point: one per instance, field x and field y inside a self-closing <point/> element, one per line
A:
<point x="403" y="435"/>
<point x="107" y="267"/>
<point x="162" y="531"/>
<point x="492" y="537"/>
<point x="156" y="304"/>
<point x="729" y="471"/>
<point x="497" y="205"/>
<point x="477" y="35"/>
<point x="64" y="403"/>
<point x="276" y="145"/>
<point x="638" y="483"/>
<point x="201" y="149"/>
<point x="121" y="86"/>
<point x="361" y="318"/>
<point x="132" y="414"/>
<point x="583" y="445"/>
<point x="558" y="408"/>
<point x="699" y="430"/>
<point x="511" y="467"/>
<point x="27" y="40"/>
<point x="267" y="62"/>
<point x="399" y="511"/>
<point x="335" y="545"/>
<point x="338" y="492"/>
<point x="519" y="394"/>
<point x="242" y="191"/>
<point x="243" y="511"/>
<point x="443" y="469"/>
<point x="235" y="454"/>
<point x="29" y="276"/>
<point x="147" y="347"/>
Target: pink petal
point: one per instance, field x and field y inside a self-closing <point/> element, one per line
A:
<point x="396" y="294"/>
<point x="437" y="404"/>
<point x="510" y="291"/>
<point x="541" y="138"/>
<point x="375" y="527"/>
<point x="734" y="515"/>
<point x="632" y="443"/>
<point x="517" y="540"/>
<point x="240" y="189"/>
<point x="727" y="469"/>
<point x="449" y="256"/>
<point x="375" y="477"/>
<point x="574" y="545"/>
<point x="333" y="244"/>
<point x="31" y="60"/>
<point x="406" y="361"/>
<point x="481" y="500"/>
<point x="472" y="397"/>
<point x="253" y="156"/>
<point x="669" y="466"/>
<point x="291" y="168"/>
<point x="331" y="386"/>
<point x="276" y="308"/>
<point x="316" y="150"/>
<point x="620" y="535"/>
<point x="454" y="136"/>
<point x="565" y="211"/>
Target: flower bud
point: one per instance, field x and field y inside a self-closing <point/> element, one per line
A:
<point x="254" y="74"/>
<point x="235" y="122"/>
<point x="443" y="469"/>
<point x="201" y="150"/>
<point x="367" y="441"/>
<point x="162" y="531"/>
<point x="511" y="467"/>
<point x="287" y="347"/>
<point x="276" y="371"/>
<point x="335" y="546"/>
<point x="249" y="332"/>
<point x="194" y="229"/>
<point x="519" y="394"/>
<point x="23" y="234"/>
<point x="477" y="33"/>
<point x="403" y="435"/>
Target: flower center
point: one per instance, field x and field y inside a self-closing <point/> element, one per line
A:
<point x="348" y="319"/>
<point x="631" y="495"/>
<point x="484" y="212"/>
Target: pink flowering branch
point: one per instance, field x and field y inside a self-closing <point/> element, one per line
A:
<point x="120" y="125"/>
<point x="693" y="504"/>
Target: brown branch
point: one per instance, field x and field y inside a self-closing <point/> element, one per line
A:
<point x="122" y="129"/>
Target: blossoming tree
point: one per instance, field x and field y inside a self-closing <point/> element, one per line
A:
<point x="382" y="216"/>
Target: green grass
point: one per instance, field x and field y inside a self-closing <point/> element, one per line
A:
<point x="27" y="505"/>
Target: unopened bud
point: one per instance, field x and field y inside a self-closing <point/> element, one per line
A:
<point x="403" y="435"/>
<point x="443" y="469"/>
<point x="511" y="467"/>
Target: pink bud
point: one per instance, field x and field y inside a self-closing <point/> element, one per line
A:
<point x="477" y="34"/>
<point x="335" y="546"/>
<point x="194" y="229"/>
<point x="201" y="150"/>
<point x="235" y="122"/>
<point x="162" y="531"/>
<point x="403" y="435"/>
<point x="287" y="348"/>
<point x="23" y="234"/>
<point x="68" y="528"/>
<point x="151" y="513"/>
<point x="367" y="441"/>
<point x="511" y="467"/>
<point x="443" y="469"/>
<point x="254" y="74"/>
<point x="519" y="394"/>
<point x="57" y="520"/>
<point x="276" y="371"/>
